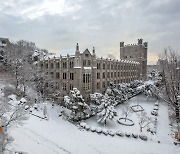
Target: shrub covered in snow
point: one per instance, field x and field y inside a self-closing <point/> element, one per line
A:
<point x="143" y="137"/>
<point x="105" y="131"/>
<point x="76" y="104"/>
<point x="120" y="133"/>
<point x="127" y="134"/>
<point x="98" y="130"/>
<point x="134" y="135"/>
<point x="111" y="133"/>
<point x="93" y="129"/>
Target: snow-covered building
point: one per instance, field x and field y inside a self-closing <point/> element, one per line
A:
<point x="136" y="52"/>
<point x="87" y="72"/>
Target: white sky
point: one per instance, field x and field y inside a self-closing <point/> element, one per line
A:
<point x="59" y="24"/>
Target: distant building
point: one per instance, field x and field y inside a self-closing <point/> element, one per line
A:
<point x="150" y="68"/>
<point x="87" y="72"/>
<point x="136" y="52"/>
<point x="3" y="43"/>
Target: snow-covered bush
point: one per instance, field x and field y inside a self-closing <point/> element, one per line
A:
<point x="96" y="98"/>
<point x="111" y="133"/>
<point x="76" y="104"/>
<point x="143" y="137"/>
<point x="127" y="134"/>
<point x="120" y="133"/>
<point x="98" y="130"/>
<point x="134" y="135"/>
<point x="93" y="129"/>
<point x="105" y="131"/>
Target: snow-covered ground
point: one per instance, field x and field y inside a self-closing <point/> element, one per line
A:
<point x="56" y="135"/>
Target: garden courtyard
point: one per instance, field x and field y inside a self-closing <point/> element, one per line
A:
<point x="159" y="125"/>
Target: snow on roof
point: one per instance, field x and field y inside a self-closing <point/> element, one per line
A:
<point x="87" y="68"/>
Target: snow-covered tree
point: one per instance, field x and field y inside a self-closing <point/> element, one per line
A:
<point x="116" y="93"/>
<point x="106" y="110"/>
<point x="76" y="103"/>
<point x="96" y="98"/>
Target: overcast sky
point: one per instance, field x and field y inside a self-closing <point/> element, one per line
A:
<point x="58" y="25"/>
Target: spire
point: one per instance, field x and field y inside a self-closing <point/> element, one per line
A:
<point x="77" y="47"/>
<point x="94" y="52"/>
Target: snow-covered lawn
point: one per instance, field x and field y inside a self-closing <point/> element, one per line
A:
<point x="58" y="136"/>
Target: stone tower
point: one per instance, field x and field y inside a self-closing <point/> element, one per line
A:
<point x="136" y="52"/>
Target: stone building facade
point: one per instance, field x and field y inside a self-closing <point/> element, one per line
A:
<point x="87" y="72"/>
<point x="136" y="52"/>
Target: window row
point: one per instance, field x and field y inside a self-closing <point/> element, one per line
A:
<point x="71" y="75"/>
<point x="116" y="66"/>
<point x="64" y="65"/>
<point x="114" y="74"/>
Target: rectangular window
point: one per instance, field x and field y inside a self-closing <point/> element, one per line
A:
<point x="98" y="66"/>
<point x="89" y="63"/>
<point x="108" y="75"/>
<point x="108" y="66"/>
<point x="47" y="65"/>
<point x="111" y="74"/>
<point x="52" y="65"/>
<point x="84" y="78"/>
<point x="57" y="65"/>
<point x="71" y="76"/>
<point x="57" y="75"/>
<point x="98" y="85"/>
<point x="104" y="66"/>
<point x="71" y="64"/>
<point x="104" y="75"/>
<point x="84" y="62"/>
<point x="98" y="75"/>
<point x="64" y="65"/>
<point x="64" y="76"/>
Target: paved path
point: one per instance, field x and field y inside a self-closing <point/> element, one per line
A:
<point x="163" y="129"/>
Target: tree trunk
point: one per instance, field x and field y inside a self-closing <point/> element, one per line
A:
<point x="177" y="113"/>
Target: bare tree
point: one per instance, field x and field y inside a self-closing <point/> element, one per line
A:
<point x="170" y="72"/>
<point x="126" y="111"/>
<point x="10" y="115"/>
<point x="144" y="120"/>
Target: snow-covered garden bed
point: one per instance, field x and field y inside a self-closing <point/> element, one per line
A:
<point x="129" y="124"/>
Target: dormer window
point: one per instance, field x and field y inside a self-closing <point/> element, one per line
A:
<point x="86" y="55"/>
